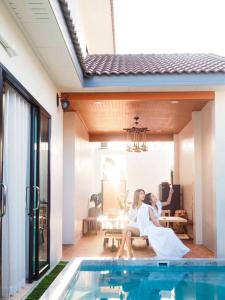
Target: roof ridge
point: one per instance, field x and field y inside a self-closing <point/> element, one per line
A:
<point x="73" y="33"/>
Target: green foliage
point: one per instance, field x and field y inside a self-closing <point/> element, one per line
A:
<point x="46" y="282"/>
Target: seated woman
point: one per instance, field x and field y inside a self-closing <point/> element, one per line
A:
<point x="132" y="228"/>
<point x="163" y="240"/>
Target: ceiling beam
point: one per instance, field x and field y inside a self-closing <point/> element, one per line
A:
<point x="119" y="137"/>
<point x="142" y="96"/>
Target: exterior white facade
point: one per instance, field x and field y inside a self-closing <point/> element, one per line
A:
<point x="26" y="67"/>
<point x="199" y="147"/>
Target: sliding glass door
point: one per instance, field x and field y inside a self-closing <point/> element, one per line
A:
<point x="24" y="187"/>
<point x="39" y="195"/>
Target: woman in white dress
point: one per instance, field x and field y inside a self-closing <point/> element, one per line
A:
<point x="163" y="240"/>
<point x="132" y="228"/>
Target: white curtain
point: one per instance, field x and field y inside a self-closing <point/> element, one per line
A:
<point x="16" y="178"/>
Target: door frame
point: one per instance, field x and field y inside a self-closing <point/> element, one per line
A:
<point x="1" y="166"/>
<point x="7" y="77"/>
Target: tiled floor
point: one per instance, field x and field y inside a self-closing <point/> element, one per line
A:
<point x="92" y="246"/>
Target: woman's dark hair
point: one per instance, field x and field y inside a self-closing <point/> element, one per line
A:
<point x="148" y="199"/>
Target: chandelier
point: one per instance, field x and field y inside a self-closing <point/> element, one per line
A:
<point x="136" y="137"/>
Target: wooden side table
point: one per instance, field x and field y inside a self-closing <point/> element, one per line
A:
<point x="90" y="224"/>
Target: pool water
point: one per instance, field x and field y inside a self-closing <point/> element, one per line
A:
<point x="151" y="282"/>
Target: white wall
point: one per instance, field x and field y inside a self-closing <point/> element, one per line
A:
<point x="78" y="176"/>
<point x="144" y="170"/>
<point x="186" y="167"/>
<point x="83" y="175"/>
<point x="147" y="170"/>
<point x="208" y="177"/>
<point x="88" y="17"/>
<point x="220" y="172"/>
<point x="29" y="71"/>
<point x="195" y="161"/>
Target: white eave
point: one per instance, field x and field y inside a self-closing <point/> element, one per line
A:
<point x="43" y="25"/>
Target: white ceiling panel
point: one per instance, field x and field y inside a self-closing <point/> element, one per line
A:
<point x="42" y="37"/>
<point x="39" y="25"/>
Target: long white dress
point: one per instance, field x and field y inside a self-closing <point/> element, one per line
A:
<point x="132" y="216"/>
<point x="163" y="240"/>
<point x="158" y="211"/>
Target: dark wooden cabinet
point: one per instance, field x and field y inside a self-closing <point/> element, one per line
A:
<point x="176" y="198"/>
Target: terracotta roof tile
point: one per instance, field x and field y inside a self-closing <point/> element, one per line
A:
<point x="153" y="64"/>
<point x="134" y="64"/>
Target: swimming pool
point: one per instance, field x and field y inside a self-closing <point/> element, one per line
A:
<point x="140" y="279"/>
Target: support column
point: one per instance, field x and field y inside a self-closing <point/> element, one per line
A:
<point x="197" y="207"/>
<point x="220" y="173"/>
<point x="68" y="177"/>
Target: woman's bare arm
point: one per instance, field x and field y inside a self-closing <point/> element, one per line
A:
<point x="152" y="217"/>
<point x="168" y="201"/>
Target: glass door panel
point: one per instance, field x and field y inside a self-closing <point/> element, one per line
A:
<point x="44" y="193"/>
<point x="15" y="176"/>
<point x="34" y="195"/>
<point x="39" y="196"/>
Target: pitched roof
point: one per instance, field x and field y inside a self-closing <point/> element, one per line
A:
<point x="134" y="64"/>
<point x="72" y="32"/>
<point x="153" y="64"/>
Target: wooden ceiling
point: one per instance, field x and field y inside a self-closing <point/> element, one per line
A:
<point x="106" y="114"/>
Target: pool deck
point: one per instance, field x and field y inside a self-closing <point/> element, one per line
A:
<point x="92" y="246"/>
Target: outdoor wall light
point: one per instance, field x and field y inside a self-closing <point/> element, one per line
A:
<point x="64" y="102"/>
